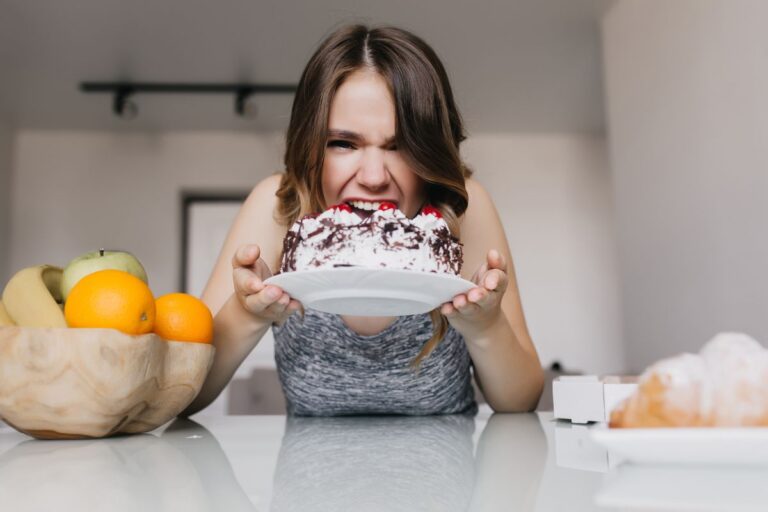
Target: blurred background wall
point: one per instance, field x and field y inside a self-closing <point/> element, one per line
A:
<point x="686" y="86"/>
<point x="6" y="135"/>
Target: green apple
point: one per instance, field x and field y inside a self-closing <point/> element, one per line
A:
<point x="91" y="262"/>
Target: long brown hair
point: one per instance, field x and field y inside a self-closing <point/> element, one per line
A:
<point x="428" y="127"/>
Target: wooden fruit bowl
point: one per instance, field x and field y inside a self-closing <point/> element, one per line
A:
<point x="60" y="383"/>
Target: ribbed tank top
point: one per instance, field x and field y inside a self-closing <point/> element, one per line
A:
<point x="326" y="369"/>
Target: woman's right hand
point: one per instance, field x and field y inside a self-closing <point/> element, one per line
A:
<point x="267" y="302"/>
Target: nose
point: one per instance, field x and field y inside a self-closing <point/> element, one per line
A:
<point x="373" y="172"/>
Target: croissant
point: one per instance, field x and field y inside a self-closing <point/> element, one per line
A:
<point x="724" y="385"/>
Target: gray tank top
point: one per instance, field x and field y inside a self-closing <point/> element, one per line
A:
<point x="326" y="369"/>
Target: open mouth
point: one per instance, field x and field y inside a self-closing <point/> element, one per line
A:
<point x="365" y="209"/>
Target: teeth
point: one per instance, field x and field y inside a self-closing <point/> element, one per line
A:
<point x="365" y="205"/>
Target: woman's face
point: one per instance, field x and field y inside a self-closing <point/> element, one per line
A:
<point x="362" y="166"/>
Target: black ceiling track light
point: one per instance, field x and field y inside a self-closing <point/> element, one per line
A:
<point x="124" y="107"/>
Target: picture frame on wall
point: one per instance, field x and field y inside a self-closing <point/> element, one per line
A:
<point x="206" y="218"/>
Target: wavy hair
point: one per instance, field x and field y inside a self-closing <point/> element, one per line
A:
<point x="428" y="127"/>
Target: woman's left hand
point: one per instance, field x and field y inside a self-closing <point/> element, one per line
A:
<point x="472" y="312"/>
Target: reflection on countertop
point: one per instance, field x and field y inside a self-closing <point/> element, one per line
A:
<point x="409" y="463"/>
<point x="521" y="462"/>
<point x="375" y="463"/>
<point x="184" y="468"/>
<point x="285" y="463"/>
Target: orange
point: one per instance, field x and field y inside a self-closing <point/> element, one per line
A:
<point x="183" y="317"/>
<point x="113" y="299"/>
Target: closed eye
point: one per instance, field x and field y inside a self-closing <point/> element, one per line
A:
<point x="340" y="144"/>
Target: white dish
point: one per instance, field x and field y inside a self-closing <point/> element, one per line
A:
<point x="370" y="292"/>
<point x="733" y="446"/>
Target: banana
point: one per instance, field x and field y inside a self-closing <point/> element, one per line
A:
<point x="32" y="297"/>
<point x="5" y="319"/>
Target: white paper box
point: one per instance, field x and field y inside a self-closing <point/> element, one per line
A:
<point x="586" y="398"/>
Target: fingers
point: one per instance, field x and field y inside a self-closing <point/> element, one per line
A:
<point x="246" y="255"/>
<point x="259" y="299"/>
<point x="493" y="273"/>
<point x="282" y="311"/>
<point x="491" y="282"/>
<point x="461" y="304"/>
<point x="494" y="283"/>
<point x="246" y="281"/>
<point x="496" y="260"/>
<point x="495" y="280"/>
<point x="266" y="300"/>
<point x="493" y="260"/>
<point x="272" y="302"/>
<point x="270" y="298"/>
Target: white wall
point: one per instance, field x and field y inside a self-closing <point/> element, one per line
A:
<point x="686" y="85"/>
<point x="5" y="199"/>
<point x="553" y="193"/>
<point x="78" y="191"/>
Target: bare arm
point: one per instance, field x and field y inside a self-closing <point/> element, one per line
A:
<point x="243" y="307"/>
<point x="255" y="224"/>
<point x="490" y="316"/>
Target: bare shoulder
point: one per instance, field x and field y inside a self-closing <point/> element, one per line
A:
<point x="480" y="204"/>
<point x="260" y="207"/>
<point x="257" y="220"/>
<point x="480" y="228"/>
<point x="263" y="194"/>
<point x="477" y="191"/>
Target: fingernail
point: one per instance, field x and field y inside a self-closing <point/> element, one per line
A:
<point x="273" y="293"/>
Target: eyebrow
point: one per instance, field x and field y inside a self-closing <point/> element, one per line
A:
<point x="350" y="135"/>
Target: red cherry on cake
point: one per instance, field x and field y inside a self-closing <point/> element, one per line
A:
<point x="386" y="205"/>
<point x="341" y="206"/>
<point x="431" y="210"/>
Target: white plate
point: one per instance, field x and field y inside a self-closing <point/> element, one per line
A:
<point x="370" y="292"/>
<point x="736" y="446"/>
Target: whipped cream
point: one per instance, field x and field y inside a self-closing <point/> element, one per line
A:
<point x="385" y="239"/>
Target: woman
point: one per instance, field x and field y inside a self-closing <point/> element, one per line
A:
<point x="374" y="119"/>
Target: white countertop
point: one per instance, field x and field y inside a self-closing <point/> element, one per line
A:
<point x="444" y="463"/>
